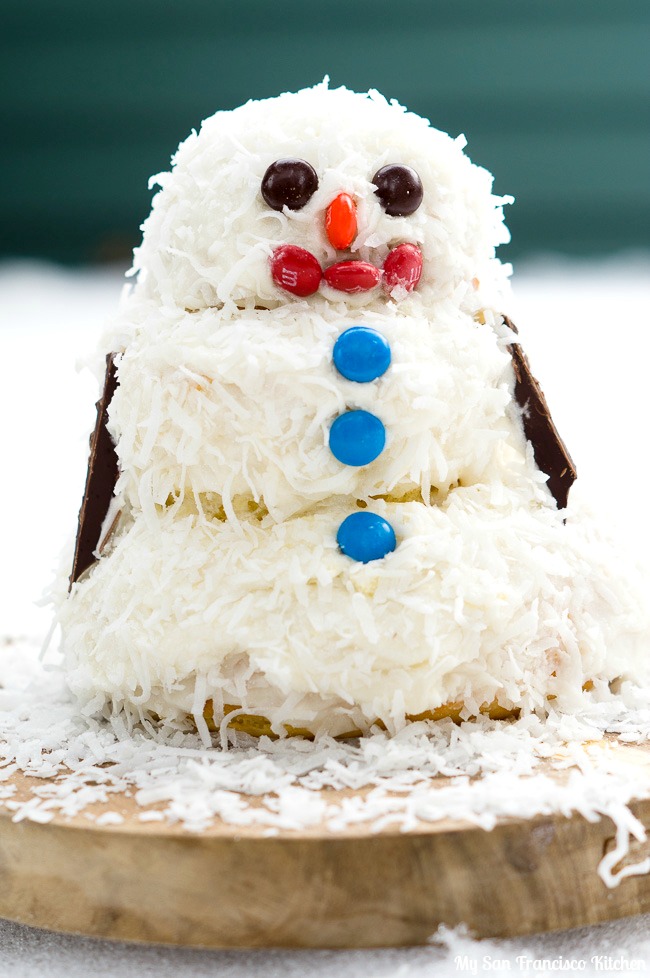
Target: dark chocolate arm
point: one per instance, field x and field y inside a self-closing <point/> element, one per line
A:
<point x="550" y="452"/>
<point x="100" y="480"/>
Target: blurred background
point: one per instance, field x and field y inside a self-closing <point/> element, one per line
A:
<point x="553" y="98"/>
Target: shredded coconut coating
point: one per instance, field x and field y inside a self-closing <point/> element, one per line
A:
<point x="208" y="239"/>
<point x="223" y="581"/>
<point x="482" y="599"/>
<point x="241" y="405"/>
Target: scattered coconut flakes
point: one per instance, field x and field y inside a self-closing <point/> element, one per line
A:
<point x="478" y="772"/>
<point x="110" y="818"/>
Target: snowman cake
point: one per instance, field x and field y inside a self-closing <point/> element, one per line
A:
<point x="325" y="491"/>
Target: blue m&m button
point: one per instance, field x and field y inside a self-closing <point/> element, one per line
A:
<point x="357" y="438"/>
<point x="365" y="537"/>
<point x="361" y="354"/>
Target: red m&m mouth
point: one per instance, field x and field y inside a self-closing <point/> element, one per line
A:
<point x="402" y="267"/>
<point x="352" y="276"/>
<point x="299" y="272"/>
<point x="296" y="270"/>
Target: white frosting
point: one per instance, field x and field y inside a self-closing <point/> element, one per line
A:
<point x="224" y="580"/>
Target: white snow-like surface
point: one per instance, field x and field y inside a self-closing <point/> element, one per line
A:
<point x="622" y="947"/>
<point x="588" y="339"/>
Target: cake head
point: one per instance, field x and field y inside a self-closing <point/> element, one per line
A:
<point x="323" y="193"/>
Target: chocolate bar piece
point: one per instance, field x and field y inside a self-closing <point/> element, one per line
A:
<point x="102" y="476"/>
<point x="550" y="452"/>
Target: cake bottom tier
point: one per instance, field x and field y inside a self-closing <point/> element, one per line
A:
<point x="483" y="602"/>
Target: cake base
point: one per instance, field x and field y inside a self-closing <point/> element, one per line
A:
<point x="231" y="886"/>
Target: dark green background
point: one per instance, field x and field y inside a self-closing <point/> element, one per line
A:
<point x="94" y="97"/>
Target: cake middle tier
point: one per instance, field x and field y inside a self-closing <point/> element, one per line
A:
<point x="257" y="403"/>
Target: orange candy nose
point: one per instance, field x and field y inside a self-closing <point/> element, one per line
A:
<point x="341" y="221"/>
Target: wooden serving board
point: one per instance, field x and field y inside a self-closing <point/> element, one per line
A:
<point x="233" y="887"/>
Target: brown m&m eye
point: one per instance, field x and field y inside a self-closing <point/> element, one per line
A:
<point x="289" y="183"/>
<point x="399" y="189"/>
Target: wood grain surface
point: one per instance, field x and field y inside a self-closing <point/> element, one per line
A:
<point x="232" y="886"/>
